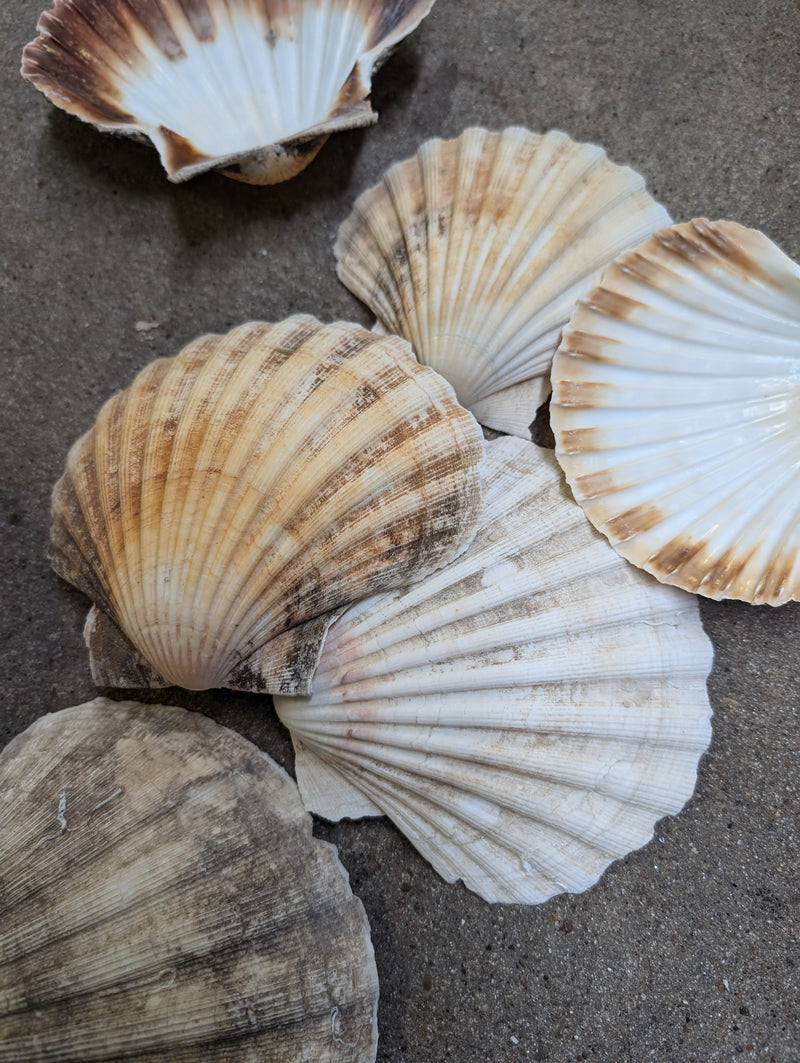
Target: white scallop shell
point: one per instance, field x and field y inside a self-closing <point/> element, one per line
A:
<point x="476" y="250"/>
<point x="525" y="715"/>
<point x="163" y="899"/>
<point x="231" y="501"/>
<point x="676" y="396"/>
<point x="250" y="86"/>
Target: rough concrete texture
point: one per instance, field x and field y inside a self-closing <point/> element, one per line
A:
<point x="687" y="950"/>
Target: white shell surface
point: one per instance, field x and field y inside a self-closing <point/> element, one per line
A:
<point x="258" y="83"/>
<point x="526" y="715"/>
<point x="477" y="249"/>
<point x="163" y="899"/>
<point x="231" y="501"/>
<point x="676" y="399"/>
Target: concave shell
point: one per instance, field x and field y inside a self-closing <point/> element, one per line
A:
<point x="524" y="716"/>
<point x="476" y="250"/>
<point x="253" y="87"/>
<point x="163" y="899"/>
<point x="676" y="394"/>
<point x="233" y="499"/>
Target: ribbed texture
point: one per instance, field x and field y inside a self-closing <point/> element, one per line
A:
<point x="476" y="249"/>
<point x="526" y="715"/>
<point x="163" y="899"/>
<point x="212" y="82"/>
<point x="233" y="498"/>
<point x="676" y="398"/>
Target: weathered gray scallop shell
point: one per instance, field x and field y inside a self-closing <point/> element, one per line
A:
<point x="676" y="393"/>
<point x="163" y="899"/>
<point x="253" y="87"/>
<point x="524" y="716"/>
<point x="232" y="500"/>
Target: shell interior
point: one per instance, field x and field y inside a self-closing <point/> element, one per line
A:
<point x="163" y="898"/>
<point x="526" y="715"/>
<point x="676" y="394"/>
<point x="256" y="85"/>
<point x="231" y="501"/>
<point x="476" y="250"/>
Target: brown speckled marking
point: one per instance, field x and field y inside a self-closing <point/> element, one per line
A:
<point x="587" y="345"/>
<point x="705" y="242"/>
<point x="637" y="264"/>
<point x="200" y="19"/>
<point x="613" y="304"/>
<point x="78" y="87"/>
<point x="578" y="440"/>
<point x="674" y="556"/>
<point x="722" y="575"/>
<point x="598" y="484"/>
<point x="585" y="393"/>
<point x="776" y="584"/>
<point x="178" y="151"/>
<point x="634" y="521"/>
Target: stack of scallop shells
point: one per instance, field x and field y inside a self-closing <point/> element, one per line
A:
<point x="311" y="511"/>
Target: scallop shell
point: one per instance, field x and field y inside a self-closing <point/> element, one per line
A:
<point x="231" y="501"/>
<point x="163" y="898"/>
<point x="476" y="250"/>
<point x="524" y="716"/>
<point x="253" y="87"/>
<point x="676" y="392"/>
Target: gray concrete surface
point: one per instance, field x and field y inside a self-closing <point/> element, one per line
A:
<point x="686" y="950"/>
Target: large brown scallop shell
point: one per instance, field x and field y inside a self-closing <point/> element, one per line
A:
<point x="252" y="87"/>
<point x="230" y="502"/>
<point x="163" y="899"/>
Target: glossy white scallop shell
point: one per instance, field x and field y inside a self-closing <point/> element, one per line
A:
<point x="524" y="716"/>
<point x="676" y="398"/>
<point x="476" y="250"/>
<point x="254" y="86"/>
<point x="231" y="501"/>
<point x="164" y="899"/>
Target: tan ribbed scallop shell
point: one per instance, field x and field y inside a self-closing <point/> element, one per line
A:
<point x="164" y="901"/>
<point x="253" y="87"/>
<point x="476" y="250"/>
<point x="233" y="499"/>
<point x="676" y="394"/>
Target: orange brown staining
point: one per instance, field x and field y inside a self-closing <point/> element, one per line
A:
<point x="613" y="304"/>
<point x="200" y="18"/>
<point x="674" y="556"/>
<point x="724" y="574"/>
<point x="634" y="522"/>
<point x="178" y="151"/>
<point x="779" y="582"/>
<point x="639" y="265"/>
<point x="583" y="393"/>
<point x="598" y="484"/>
<point x="588" y="345"/>
<point x="351" y="94"/>
<point x="579" y="440"/>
